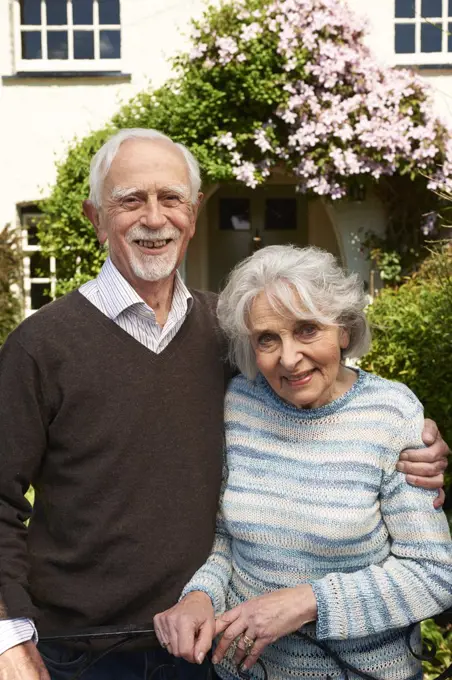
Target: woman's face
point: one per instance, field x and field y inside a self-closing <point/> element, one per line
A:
<point x="300" y="359"/>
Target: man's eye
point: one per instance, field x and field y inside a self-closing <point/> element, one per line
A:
<point x="171" y="198"/>
<point x="131" y="200"/>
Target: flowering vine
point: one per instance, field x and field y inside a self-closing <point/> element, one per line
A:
<point x="339" y="114"/>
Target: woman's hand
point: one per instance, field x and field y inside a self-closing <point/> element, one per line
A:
<point x="188" y="628"/>
<point x="264" y="619"/>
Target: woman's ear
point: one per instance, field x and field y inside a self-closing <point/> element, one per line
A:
<point x="344" y="338"/>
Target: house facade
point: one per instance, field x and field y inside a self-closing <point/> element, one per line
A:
<point x="65" y="67"/>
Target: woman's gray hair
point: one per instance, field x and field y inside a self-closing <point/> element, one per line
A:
<point x="101" y="162"/>
<point x="290" y="275"/>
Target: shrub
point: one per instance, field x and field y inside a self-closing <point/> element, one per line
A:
<point x="412" y="336"/>
<point x="10" y="270"/>
<point x="412" y="343"/>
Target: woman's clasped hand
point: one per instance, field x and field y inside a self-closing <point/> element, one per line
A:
<point x="263" y="620"/>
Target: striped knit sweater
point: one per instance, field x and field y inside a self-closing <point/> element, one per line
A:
<point x="313" y="496"/>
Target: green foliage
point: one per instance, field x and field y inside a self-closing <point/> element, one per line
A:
<point x="10" y="274"/>
<point x="63" y="231"/>
<point x="412" y="336"/>
<point x="441" y="638"/>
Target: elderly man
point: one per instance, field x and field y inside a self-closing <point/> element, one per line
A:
<point x="111" y="402"/>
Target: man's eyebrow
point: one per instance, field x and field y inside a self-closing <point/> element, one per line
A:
<point x="122" y="192"/>
<point x="180" y="189"/>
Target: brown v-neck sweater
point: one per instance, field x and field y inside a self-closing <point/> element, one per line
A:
<point x="124" y="450"/>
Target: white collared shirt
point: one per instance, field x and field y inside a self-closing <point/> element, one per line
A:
<point x="115" y="297"/>
<point x="119" y="301"/>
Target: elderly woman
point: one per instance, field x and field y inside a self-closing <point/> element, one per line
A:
<point x="316" y="529"/>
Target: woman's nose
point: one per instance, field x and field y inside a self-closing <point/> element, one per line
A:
<point x="291" y="355"/>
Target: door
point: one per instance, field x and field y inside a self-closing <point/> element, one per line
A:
<point x="241" y="220"/>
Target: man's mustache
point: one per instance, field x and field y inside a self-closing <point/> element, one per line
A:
<point x="142" y="233"/>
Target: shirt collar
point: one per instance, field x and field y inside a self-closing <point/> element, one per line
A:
<point x="118" y="295"/>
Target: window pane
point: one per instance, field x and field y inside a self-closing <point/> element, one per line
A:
<point x="404" y="39"/>
<point x="110" y="44"/>
<point x="234" y="213"/>
<point x="31" y="225"/>
<point x="57" y="45"/>
<point x="281" y="213"/>
<point x="39" y="266"/>
<point x="404" y="9"/>
<point x="40" y="295"/>
<point x="108" y="11"/>
<point x="432" y="8"/>
<point x="30" y="12"/>
<point x="83" y="45"/>
<point x="56" y="12"/>
<point x="82" y="12"/>
<point x="431" y="37"/>
<point x="450" y="8"/>
<point x="31" y="45"/>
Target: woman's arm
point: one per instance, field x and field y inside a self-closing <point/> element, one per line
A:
<point x="415" y="581"/>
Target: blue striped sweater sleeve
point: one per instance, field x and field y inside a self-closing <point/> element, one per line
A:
<point x="414" y="581"/>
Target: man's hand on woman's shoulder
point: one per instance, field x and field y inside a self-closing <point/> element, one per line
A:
<point x="425" y="467"/>
<point x="188" y="628"/>
<point x="22" y="662"/>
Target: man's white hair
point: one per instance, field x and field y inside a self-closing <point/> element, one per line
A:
<point x="304" y="282"/>
<point x="101" y="162"/>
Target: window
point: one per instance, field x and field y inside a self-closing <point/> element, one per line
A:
<point x="423" y="31"/>
<point x="68" y="35"/>
<point x="234" y="213"/>
<point x="39" y="272"/>
<point x="280" y="213"/>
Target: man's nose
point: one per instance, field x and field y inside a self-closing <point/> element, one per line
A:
<point x="153" y="218"/>
<point x="291" y="355"/>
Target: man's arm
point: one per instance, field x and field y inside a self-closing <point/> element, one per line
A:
<point x="426" y="467"/>
<point x="23" y="435"/>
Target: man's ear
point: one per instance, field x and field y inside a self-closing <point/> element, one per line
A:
<point x="196" y="208"/>
<point x="91" y="212"/>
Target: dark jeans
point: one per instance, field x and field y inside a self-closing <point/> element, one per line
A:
<point x="64" y="664"/>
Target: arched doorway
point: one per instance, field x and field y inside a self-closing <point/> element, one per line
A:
<point x="241" y="220"/>
<point x="233" y="215"/>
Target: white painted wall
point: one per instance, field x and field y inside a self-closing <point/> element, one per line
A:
<point x="351" y="221"/>
<point x="380" y="18"/>
<point x="39" y="117"/>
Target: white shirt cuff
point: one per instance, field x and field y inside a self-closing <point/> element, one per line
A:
<point x="16" y="631"/>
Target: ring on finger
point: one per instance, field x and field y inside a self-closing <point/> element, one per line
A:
<point x="249" y="644"/>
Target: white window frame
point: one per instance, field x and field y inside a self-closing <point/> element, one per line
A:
<point x="418" y="57"/>
<point x="28" y="250"/>
<point x="70" y="64"/>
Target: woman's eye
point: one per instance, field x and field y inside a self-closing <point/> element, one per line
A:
<point x="265" y="339"/>
<point x="307" y="330"/>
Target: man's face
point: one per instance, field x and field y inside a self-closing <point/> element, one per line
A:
<point x="146" y="216"/>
